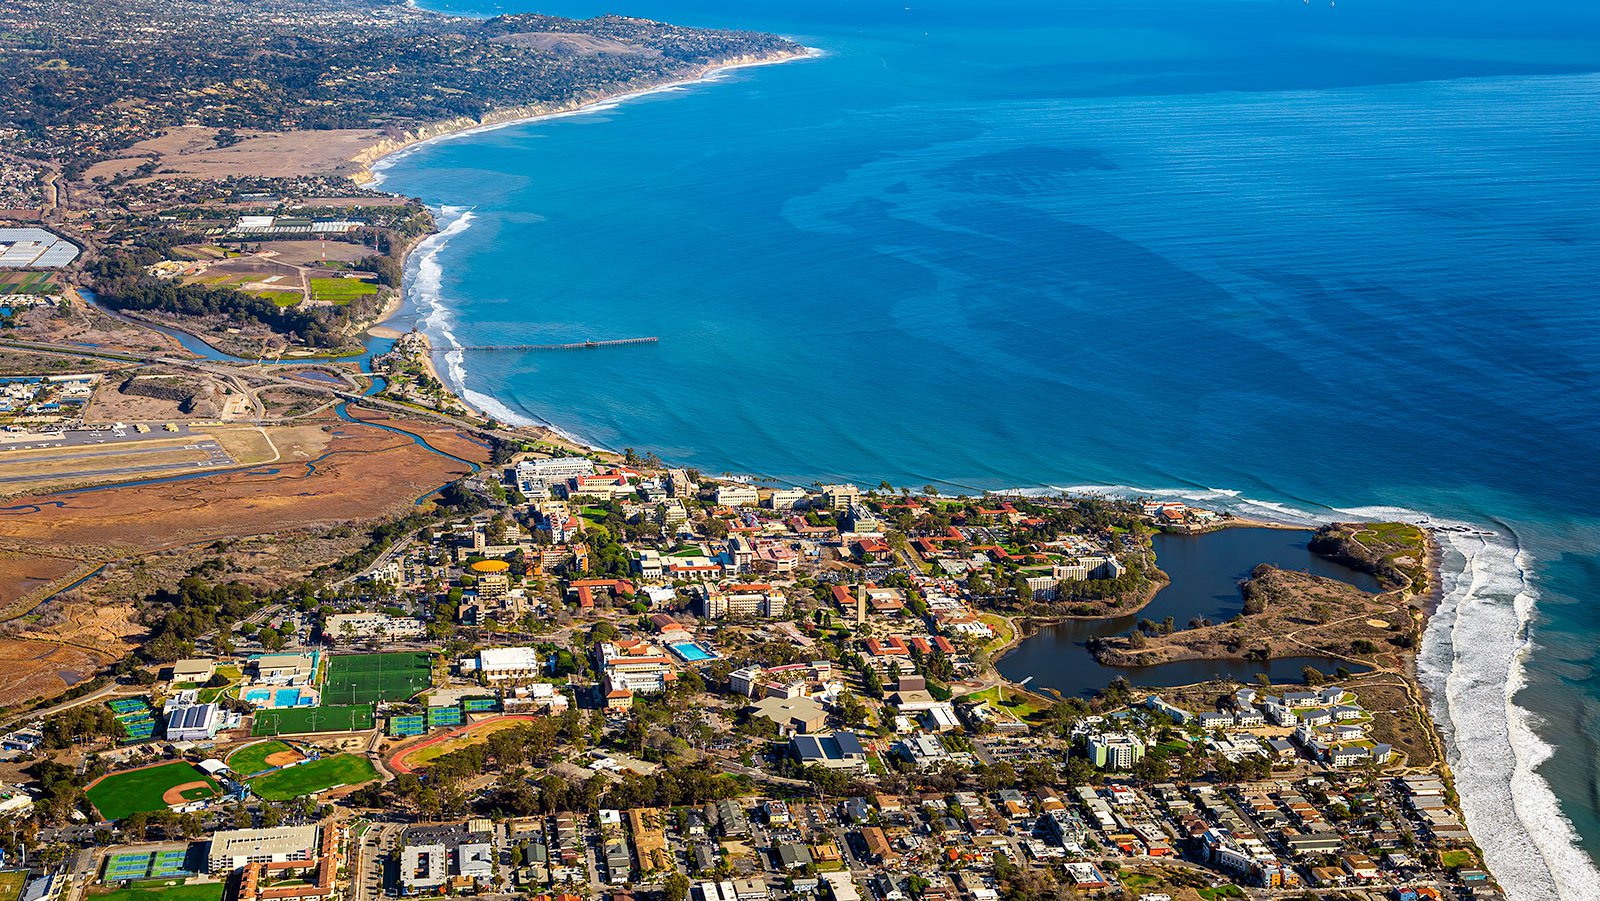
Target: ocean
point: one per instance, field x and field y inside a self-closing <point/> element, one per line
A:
<point x="1294" y="259"/>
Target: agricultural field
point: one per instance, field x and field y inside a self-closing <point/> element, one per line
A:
<point x="262" y="756"/>
<point x="152" y="788"/>
<point x="365" y="678"/>
<point x="26" y="283"/>
<point x="298" y="720"/>
<point x="340" y="290"/>
<point x="165" y="890"/>
<point x="314" y="776"/>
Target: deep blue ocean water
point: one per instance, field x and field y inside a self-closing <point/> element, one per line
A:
<point x="1291" y="258"/>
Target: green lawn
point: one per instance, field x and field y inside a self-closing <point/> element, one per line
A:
<point x="120" y="794"/>
<point x="1003" y="633"/>
<point x="327" y="718"/>
<point x="1222" y="891"/>
<point x="1456" y="859"/>
<point x="317" y="775"/>
<point x="252" y="759"/>
<point x="340" y="290"/>
<point x="11" y="884"/>
<point x="1021" y="704"/>
<point x="163" y="890"/>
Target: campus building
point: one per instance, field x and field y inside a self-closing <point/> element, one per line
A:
<point x="231" y="849"/>
<point x="1115" y="751"/>
<point x="508" y="664"/>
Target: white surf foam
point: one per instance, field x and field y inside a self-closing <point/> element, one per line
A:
<point x="1475" y="650"/>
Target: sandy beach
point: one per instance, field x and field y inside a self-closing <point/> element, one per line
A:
<point x="379" y="155"/>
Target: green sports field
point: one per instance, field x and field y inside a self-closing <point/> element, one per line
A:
<point x="120" y="794"/>
<point x="340" y="290"/>
<point x="163" y="890"/>
<point x="365" y="678"/>
<point x="292" y="720"/>
<point x="248" y="761"/>
<point x="310" y="778"/>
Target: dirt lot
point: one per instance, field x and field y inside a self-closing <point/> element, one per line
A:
<point x="310" y="253"/>
<point x="191" y="152"/>
<point x="363" y="473"/>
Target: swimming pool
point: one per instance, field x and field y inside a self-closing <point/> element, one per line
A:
<point x="692" y="651"/>
<point x="280" y="697"/>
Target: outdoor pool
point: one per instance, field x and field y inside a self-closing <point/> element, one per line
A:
<point x="280" y="697"/>
<point x="692" y="652"/>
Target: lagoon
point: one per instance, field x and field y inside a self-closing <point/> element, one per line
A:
<point x="1205" y="571"/>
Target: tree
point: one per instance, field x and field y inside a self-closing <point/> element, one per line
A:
<point x="1312" y="676"/>
<point x="676" y="887"/>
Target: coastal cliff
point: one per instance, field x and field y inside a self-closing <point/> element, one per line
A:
<point x="1396" y="554"/>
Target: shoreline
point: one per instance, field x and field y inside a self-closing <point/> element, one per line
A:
<point x="378" y="157"/>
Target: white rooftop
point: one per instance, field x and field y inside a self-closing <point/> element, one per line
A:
<point x="508" y="658"/>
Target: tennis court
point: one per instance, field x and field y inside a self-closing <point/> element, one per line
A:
<point x="294" y="720"/>
<point x="168" y="863"/>
<point x="367" y="678"/>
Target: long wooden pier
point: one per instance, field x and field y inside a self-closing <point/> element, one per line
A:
<point x="580" y="345"/>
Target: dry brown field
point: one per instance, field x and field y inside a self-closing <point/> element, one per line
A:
<point x="31" y="669"/>
<point x="362" y="474"/>
<point x="310" y="253"/>
<point x="192" y="152"/>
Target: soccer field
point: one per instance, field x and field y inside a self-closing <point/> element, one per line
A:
<point x="120" y="794"/>
<point x="366" y="678"/>
<point x="292" y="720"/>
<point x="166" y="891"/>
<point x="314" y="776"/>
